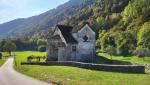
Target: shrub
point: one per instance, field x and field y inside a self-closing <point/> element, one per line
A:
<point x="42" y="48"/>
<point x="0" y="55"/>
<point x="111" y="51"/>
<point x="125" y="42"/>
<point x="142" y="52"/>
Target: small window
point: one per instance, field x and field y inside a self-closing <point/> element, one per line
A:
<point x="85" y="38"/>
<point x="74" y="48"/>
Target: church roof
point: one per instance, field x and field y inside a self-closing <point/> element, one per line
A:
<point x="66" y="32"/>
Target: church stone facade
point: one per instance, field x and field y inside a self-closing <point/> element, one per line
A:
<point x="67" y="45"/>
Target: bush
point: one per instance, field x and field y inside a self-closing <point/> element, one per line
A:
<point x="111" y="51"/>
<point x="0" y="55"/>
<point x="125" y="42"/>
<point x="42" y="48"/>
<point x="142" y="52"/>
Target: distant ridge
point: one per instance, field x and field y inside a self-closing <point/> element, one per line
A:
<point x="73" y="11"/>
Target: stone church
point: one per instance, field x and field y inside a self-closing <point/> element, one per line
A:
<point x="67" y="44"/>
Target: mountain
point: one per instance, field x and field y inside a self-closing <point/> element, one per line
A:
<point x="122" y="26"/>
<point x="71" y="13"/>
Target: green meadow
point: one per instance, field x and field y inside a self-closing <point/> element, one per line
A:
<point x="4" y="58"/>
<point x="134" y="59"/>
<point x="64" y="75"/>
<point x="2" y="62"/>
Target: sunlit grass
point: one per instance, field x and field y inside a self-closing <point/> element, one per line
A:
<point x="77" y="76"/>
<point x="22" y="56"/>
<point x="135" y="59"/>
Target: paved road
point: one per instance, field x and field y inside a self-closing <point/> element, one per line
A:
<point x="8" y="76"/>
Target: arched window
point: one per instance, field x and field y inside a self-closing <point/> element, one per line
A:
<point x="85" y="38"/>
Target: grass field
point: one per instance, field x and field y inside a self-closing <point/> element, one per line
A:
<point x="2" y="62"/>
<point x="4" y="58"/>
<point x="64" y="75"/>
<point x="135" y="59"/>
<point x="22" y="56"/>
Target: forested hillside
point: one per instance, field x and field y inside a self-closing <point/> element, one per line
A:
<point x="121" y="25"/>
<point x="131" y="33"/>
<point x="72" y="13"/>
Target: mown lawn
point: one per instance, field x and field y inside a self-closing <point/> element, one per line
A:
<point x="22" y="56"/>
<point x="64" y="75"/>
<point x="135" y="59"/>
<point x="4" y="58"/>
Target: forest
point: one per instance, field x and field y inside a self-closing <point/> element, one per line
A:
<point x="122" y="26"/>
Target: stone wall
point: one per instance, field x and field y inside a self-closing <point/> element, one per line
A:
<point x="147" y="66"/>
<point x="98" y="67"/>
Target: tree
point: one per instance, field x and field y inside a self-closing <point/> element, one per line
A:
<point x="101" y="22"/>
<point x="42" y="48"/>
<point x="2" y="44"/>
<point x="111" y="51"/>
<point x="142" y="52"/>
<point x="9" y="46"/>
<point x="41" y="42"/>
<point x="144" y="36"/>
<point x="135" y="9"/>
<point x="105" y="40"/>
<point x="125" y="42"/>
<point x="101" y="34"/>
<point x="115" y="17"/>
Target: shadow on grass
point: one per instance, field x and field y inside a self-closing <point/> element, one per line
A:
<point x="105" y="60"/>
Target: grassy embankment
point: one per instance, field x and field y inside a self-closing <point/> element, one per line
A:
<point x="4" y="58"/>
<point x="134" y="59"/>
<point x="77" y="76"/>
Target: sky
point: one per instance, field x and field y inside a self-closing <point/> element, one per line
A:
<point x="13" y="9"/>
